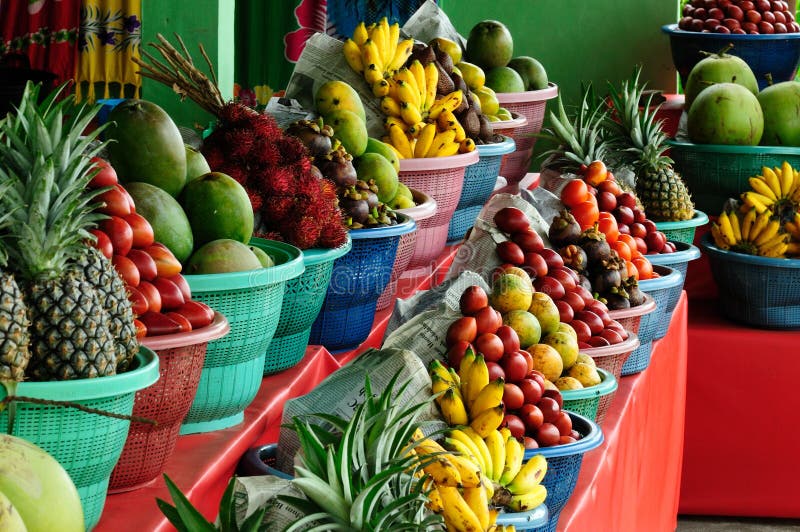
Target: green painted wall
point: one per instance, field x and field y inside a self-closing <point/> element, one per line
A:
<point x="206" y="22"/>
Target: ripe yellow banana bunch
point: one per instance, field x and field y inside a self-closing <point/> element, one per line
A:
<point x="776" y="190"/>
<point x="751" y="232"/>
<point x="376" y="52"/>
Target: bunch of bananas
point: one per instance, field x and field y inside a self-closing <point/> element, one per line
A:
<point x="468" y="397"/>
<point x="775" y="190"/>
<point x="376" y="52"/>
<point x="751" y="233"/>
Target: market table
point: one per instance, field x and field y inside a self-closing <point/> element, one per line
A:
<point x="631" y="483"/>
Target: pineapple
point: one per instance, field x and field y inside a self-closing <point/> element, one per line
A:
<point x="43" y="163"/>
<point x="14" y="337"/>
<point x="660" y="189"/>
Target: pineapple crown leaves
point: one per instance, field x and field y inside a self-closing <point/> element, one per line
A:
<point x="45" y="162"/>
<point x="360" y="474"/>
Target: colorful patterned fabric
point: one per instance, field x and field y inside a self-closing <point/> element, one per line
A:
<point x="43" y="30"/>
<point x="110" y="35"/>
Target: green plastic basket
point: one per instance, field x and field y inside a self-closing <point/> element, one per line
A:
<point x="683" y="231"/>
<point x="234" y="365"/>
<point x="713" y="173"/>
<point x="86" y="445"/>
<point x="587" y="401"/>
<point x="302" y="302"/>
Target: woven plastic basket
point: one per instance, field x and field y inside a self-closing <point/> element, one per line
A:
<point x="776" y="54"/>
<point x="683" y="231"/>
<point x="678" y="260"/>
<point x="531" y="105"/>
<point x="563" y="466"/>
<point x="714" y="173"/>
<point x="586" y="401"/>
<point x="660" y="289"/>
<point x="234" y="365"/>
<point x="757" y="291"/>
<point x="86" y="445"/>
<point x="148" y="447"/>
<point x="357" y="281"/>
<point x="302" y="301"/>
<point x="508" y="128"/>
<point x="530" y="520"/>
<point x="425" y="208"/>
<point x="612" y="357"/>
<point x="479" y="182"/>
<point x="630" y="318"/>
<point x="259" y="461"/>
<point x="442" y="178"/>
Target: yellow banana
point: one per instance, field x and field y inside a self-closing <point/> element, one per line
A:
<point x="792" y="249"/>
<point x="400" y="142"/>
<point x="515" y="453"/>
<point x="768" y="233"/>
<point x="458" y="516"/>
<point x="772" y="180"/>
<point x="761" y="222"/>
<point x="394" y="39"/>
<point x="410" y="113"/>
<point x="392" y="122"/>
<point x="388" y="141"/>
<point x="477" y="378"/>
<point x="717" y="235"/>
<point x="449" y="102"/>
<point x="466" y="365"/>
<point x="488" y="420"/>
<point x="778" y="249"/>
<point x="489" y="487"/>
<point x="425" y="140"/>
<point x="747" y="223"/>
<point x="447" y="150"/>
<point x="482" y="448"/>
<point x="439" y="385"/>
<point x="478" y="500"/>
<point x="441" y="140"/>
<point x="453" y="374"/>
<point x="453" y="410"/>
<point x="418" y="71"/>
<point x="460" y="442"/>
<point x="352" y="53"/>
<point x="469" y="471"/>
<point x="370" y="56"/>
<point x="406" y="87"/>
<point x="755" y="200"/>
<point x="733" y="217"/>
<point x="377" y="35"/>
<point x="529" y="500"/>
<point x="360" y="34"/>
<point x="467" y="145"/>
<point x="401" y="54"/>
<point x="447" y="120"/>
<point x="431" y="82"/>
<point x="761" y="186"/>
<point x="497" y="453"/>
<point x="390" y="107"/>
<point x="386" y="32"/>
<point x="725" y="228"/>
<point x="442" y="471"/>
<point x="435" y="503"/>
<point x="380" y="88"/>
<point x="489" y="396"/>
<point x="436" y="367"/>
<point x="787" y="178"/>
<point x="530" y="475"/>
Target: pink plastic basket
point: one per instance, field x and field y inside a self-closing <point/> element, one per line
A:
<point x="442" y="178"/>
<point x="426" y="208"/>
<point x="630" y="318"/>
<point x="531" y="105"/>
<point x="509" y="128"/>
<point x="148" y="447"/>
<point x="611" y="358"/>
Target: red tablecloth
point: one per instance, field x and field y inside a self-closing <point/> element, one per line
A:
<point x="631" y="482"/>
<point x="741" y="410"/>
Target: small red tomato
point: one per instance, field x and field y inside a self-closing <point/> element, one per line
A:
<point x="139" y="303"/>
<point x="550" y="286"/>
<point x="127" y="269"/>
<point x="529" y="443"/>
<point x="515" y="366"/>
<point x="612" y="336"/>
<point x="552" y="258"/>
<point x="581" y="329"/>
<point x="144" y="263"/>
<point x="181" y="283"/>
<point x="531" y="390"/>
<point x="556" y="396"/>
<point x="120" y="234"/>
<point x="472" y="300"/>
<point x="598" y="341"/>
<point x="142" y="230"/>
<point x="114" y="202"/>
<point x="511" y="220"/>
<point x="512" y="396"/>
<point x="199" y="314"/>
<point x="456" y="353"/>
<point x="509" y="337"/>
<point x="106" y="176"/>
<point x="565" y="311"/>
<point x="528" y="241"/>
<point x="141" y="330"/>
<point x="495" y="371"/>
<point x="563" y="423"/>
<point x="151" y="293"/>
<point x="547" y="435"/>
<point x="166" y="263"/>
<point x="531" y="416"/>
<point x="535" y="265"/>
<point x="487" y="320"/>
<point x="528" y="359"/>
<point x="514" y="425"/>
<point x="606" y="201"/>
<point x="575" y="301"/>
<point x="549" y="408"/>
<point x="490" y="346"/>
<point x="465" y="329"/>
<point x="159" y="324"/>
<point x="171" y="296"/>
<point x="103" y="243"/>
<point x="563" y="276"/>
<point x="186" y="326"/>
<point x="510" y="252"/>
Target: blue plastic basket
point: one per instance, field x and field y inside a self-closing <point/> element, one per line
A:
<point x="774" y="54"/>
<point x="757" y="291"/>
<point x="563" y="466"/>
<point x="259" y="461"/>
<point x="479" y="181"/>
<point x="683" y="231"/>
<point x="357" y="281"/>
<point x="679" y="260"/>
<point x="661" y="289"/>
<point x="530" y="520"/>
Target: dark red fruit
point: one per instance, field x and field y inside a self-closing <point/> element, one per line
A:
<point x="495" y="371"/>
<point x="551" y="257"/>
<point x="550" y="286"/>
<point x="528" y="241"/>
<point x="472" y="300"/>
<point x="511" y="220"/>
<point x="531" y="389"/>
<point x="514" y="425"/>
<point x="547" y="435"/>
<point x="456" y="353"/>
<point x="535" y="265"/>
<point x="556" y="396"/>
<point x="531" y="416"/>
<point x="509" y="337"/>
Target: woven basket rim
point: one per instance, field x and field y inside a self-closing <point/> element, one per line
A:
<point x="516" y="121"/>
<point x="629" y="344"/>
<point x="732" y="149"/>
<point x="498" y="148"/>
<point x="529" y="96"/>
<point x="673" y="30"/>
<point x="213" y="331"/>
<point x="683" y="253"/>
<point x="418" y="164"/>
<point x="314" y="256"/>
<point x="742" y="258"/>
<point x="699" y="218"/>
<point x="607" y="385"/>
<point x="590" y="441"/>
<point x="425" y="208"/>
<point x="529" y="520"/>
<point x="670" y="277"/>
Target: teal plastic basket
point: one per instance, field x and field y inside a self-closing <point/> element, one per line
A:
<point x="683" y="231"/>
<point x="679" y="260"/>
<point x="302" y="302"/>
<point x="757" y="291"/>
<point x="357" y="281"/>
<point x="86" y="445"/>
<point x="530" y="520"/>
<point x="479" y="181"/>
<point x="713" y="173"/>
<point x="234" y="365"/>
<point x="592" y="402"/>
<point x="661" y="289"/>
<point x="564" y="465"/>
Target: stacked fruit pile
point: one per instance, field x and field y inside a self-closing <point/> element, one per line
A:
<point x="753" y="17"/>
<point x="160" y="297"/>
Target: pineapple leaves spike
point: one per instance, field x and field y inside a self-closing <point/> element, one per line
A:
<point x="189" y="517"/>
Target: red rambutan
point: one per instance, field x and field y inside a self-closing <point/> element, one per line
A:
<point x="332" y="235"/>
<point x="305" y="233"/>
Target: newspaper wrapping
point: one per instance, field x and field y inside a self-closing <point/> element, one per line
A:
<point x="285" y="111"/>
<point x="250" y="494"/>
<point x="343" y="390"/>
<point x="322" y="60"/>
<point x="429" y="22"/>
<point x="420" y="322"/>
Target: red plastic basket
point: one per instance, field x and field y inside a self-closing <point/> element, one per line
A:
<point x="442" y="178"/>
<point x="426" y="208"/>
<point x="531" y="105"/>
<point x="611" y="358"/>
<point x="148" y="447"/>
<point x="630" y="318"/>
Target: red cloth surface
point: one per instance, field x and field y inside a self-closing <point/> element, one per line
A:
<point x="741" y="426"/>
<point x="631" y="482"/>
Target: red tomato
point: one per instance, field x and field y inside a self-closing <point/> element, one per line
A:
<point x="120" y="233"/>
<point x="591" y="319"/>
<point x="456" y="353"/>
<point x="586" y="213"/>
<point x="495" y="371"/>
<point x="531" y="390"/>
<point x="574" y="300"/>
<point x="472" y="300"/>
<point x="106" y="176"/>
<point x="563" y="423"/>
<point x="513" y="397"/>
<point x="465" y="329"/>
<point x="641" y="245"/>
<point x="511" y="220"/>
<point x="141" y="330"/>
<point x="622" y="249"/>
<point x="609" y="185"/>
<point x="581" y="329"/>
<point x="144" y="263"/>
<point x="166" y="263"/>
<point x="556" y="396"/>
<point x="151" y="294"/>
<point x="510" y="252"/>
<point x="171" y="296"/>
<point x="142" y="230"/>
<point x="607" y="224"/>
<point x="565" y="311"/>
<point x="535" y="265"/>
<point x="574" y="193"/>
<point x="514" y="425"/>
<point x="528" y="241"/>
<point x="114" y="202"/>
<point x="515" y="366"/>
<point x="127" y="270"/>
<point x="630" y="241"/>
<point x="490" y="346"/>
<point x="644" y="268"/>
<point x="183" y="285"/>
<point x="199" y="314"/>
<point x="128" y="197"/>
<point x="103" y="243"/>
<point x="181" y="320"/>
<point x="531" y="416"/>
<point x="509" y="337"/>
<point x="547" y="435"/>
<point x="139" y="303"/>
<point x="158" y="324"/>
<point x="596" y="173"/>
